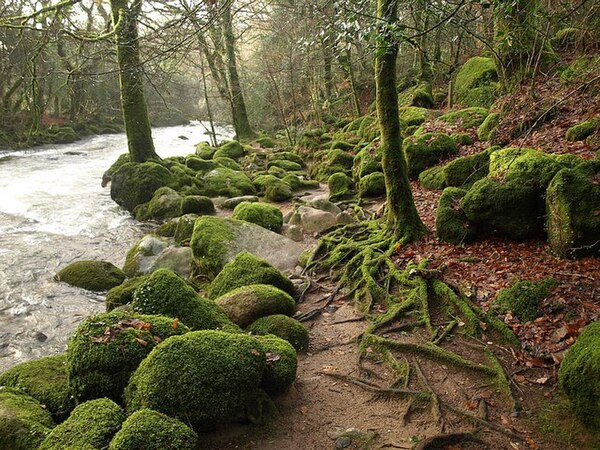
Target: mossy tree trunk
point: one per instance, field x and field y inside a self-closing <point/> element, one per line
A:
<point x="402" y="217"/>
<point x="133" y="100"/>
<point x="241" y="123"/>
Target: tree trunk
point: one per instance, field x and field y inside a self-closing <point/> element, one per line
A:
<point x="402" y="218"/>
<point x="238" y="105"/>
<point x="133" y="100"/>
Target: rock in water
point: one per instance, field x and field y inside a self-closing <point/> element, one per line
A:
<point x="91" y="275"/>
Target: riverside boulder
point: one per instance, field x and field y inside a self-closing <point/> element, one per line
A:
<point x="135" y="183"/>
<point x="91" y="275"/>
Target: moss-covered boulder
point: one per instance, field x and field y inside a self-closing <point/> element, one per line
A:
<point x="200" y="164"/>
<point x="330" y="162"/>
<point x="135" y="183"/>
<point x="205" y="151"/>
<point x="227" y="182"/>
<point x="123" y="294"/>
<point x="282" y="364"/>
<point x="24" y="422"/>
<point x="121" y="160"/>
<point x="266" y="142"/>
<point x="451" y="222"/>
<point x="467" y="118"/>
<point x="510" y="207"/>
<point x="285" y="165"/>
<point x="263" y="214"/>
<point x="426" y="150"/>
<point x="91" y="275"/>
<point x="582" y="130"/>
<point x="372" y="185"/>
<point x="462" y="138"/>
<point x="572" y="205"/>
<point x="487" y="129"/>
<point x="523" y="297"/>
<point x="419" y="95"/>
<point x="299" y="182"/>
<point x="579" y="375"/>
<point x="203" y="378"/>
<point x="246" y="304"/>
<point x="283" y="327"/>
<point x="365" y="162"/>
<point x="106" y="348"/>
<point x="91" y="425"/>
<point x="278" y="191"/>
<point x="165" y="204"/>
<point x="143" y="254"/>
<point x="197" y="204"/>
<point x="413" y="115"/>
<point x="476" y="82"/>
<point x="184" y="229"/>
<point x="288" y="156"/>
<point x="167" y="294"/>
<point x="44" y="379"/>
<point x="150" y="430"/>
<point x="229" y="163"/>
<point x="246" y="269"/>
<point x="433" y="178"/>
<point x="231" y="149"/>
<point x="340" y="186"/>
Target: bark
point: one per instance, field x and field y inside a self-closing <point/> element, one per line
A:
<point x="402" y="218"/>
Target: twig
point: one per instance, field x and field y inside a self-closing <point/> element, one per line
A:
<point x="316" y="311"/>
<point x="371" y="387"/>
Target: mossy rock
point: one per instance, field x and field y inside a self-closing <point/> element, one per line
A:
<point x="366" y="162"/>
<point x="341" y="187"/>
<point x="573" y="222"/>
<point x="200" y="164"/>
<point x="91" y="275"/>
<point x="487" y="129"/>
<point x="227" y="182"/>
<point x="451" y="222"/>
<point x="283" y="327"/>
<point x="150" y="430"/>
<point x="277" y="171"/>
<point x="134" y="183"/>
<point x="165" y="204"/>
<point x="341" y="145"/>
<point x="582" y="130"/>
<point x="246" y="304"/>
<point x="426" y="150"/>
<point x="287" y="156"/>
<point x="462" y="139"/>
<point x="523" y="297"/>
<point x="228" y="163"/>
<point x="205" y="151"/>
<point x="433" y="178"/>
<point x="372" y="185"/>
<point x="167" y="294"/>
<point x="511" y="207"/>
<point x="476" y="82"/>
<point x="91" y="425"/>
<point x="24" y="422"/>
<point x="468" y="117"/>
<point x="123" y="294"/>
<point x="44" y="379"/>
<point x="295" y="182"/>
<point x="566" y="38"/>
<point x="197" y="204"/>
<point x="204" y="378"/>
<point x="185" y="228"/>
<point x="265" y="142"/>
<point x="332" y="161"/>
<point x="278" y="191"/>
<point x="419" y="95"/>
<point x="579" y="376"/>
<point x="368" y="129"/>
<point x="247" y="269"/>
<point x="210" y="241"/>
<point x="136" y="261"/>
<point x="413" y="115"/>
<point x="121" y="160"/>
<point x="231" y="149"/>
<point x="282" y="365"/>
<point x="106" y="348"/>
<point x="285" y="164"/>
<point x="263" y="214"/>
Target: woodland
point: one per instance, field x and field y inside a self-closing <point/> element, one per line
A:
<point x="397" y="245"/>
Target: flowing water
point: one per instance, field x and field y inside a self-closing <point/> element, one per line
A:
<point x="54" y="211"/>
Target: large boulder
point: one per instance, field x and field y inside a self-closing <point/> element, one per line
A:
<point x="467" y="118"/>
<point x="523" y="297"/>
<point x="476" y="82"/>
<point x="153" y="252"/>
<point x="91" y="275"/>
<point x="231" y="149"/>
<point x="135" y="183"/>
<point x="282" y="364"/>
<point x="340" y="186"/>
<point x="313" y="220"/>
<point x="204" y="378"/>
<point x="283" y="327"/>
<point x="372" y="185"/>
<point x="227" y="182"/>
<point x="426" y="150"/>
<point x="263" y="214"/>
<point x="123" y="294"/>
<point x="216" y="241"/>
<point x="450" y="222"/>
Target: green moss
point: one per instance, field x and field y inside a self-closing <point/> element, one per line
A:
<point x="199" y="164"/>
<point x="426" y="150"/>
<point x="197" y="204"/>
<point x="277" y="171"/>
<point x="121" y="160"/>
<point x="331" y="161"/>
<point x="372" y="185"/>
<point x="468" y="117"/>
<point x="91" y="275"/>
<point x="282" y="364"/>
<point x="582" y="130"/>
<point x="91" y="425"/>
<point x="579" y="69"/>
<point x="287" y="156"/>
<point x="450" y="221"/>
<point x="44" y="379"/>
<point x="228" y="163"/>
<point x="341" y="145"/>
<point x="285" y="165"/>
<point x="365" y="162"/>
<point x="579" y="375"/>
<point x="413" y="115"/>
<point x="566" y="38"/>
<point x="462" y="139"/>
<point x="123" y="294"/>
<point x="368" y="129"/>
<point x="295" y="182"/>
<point x="418" y="95"/>
<point x="487" y="129"/>
<point x="467" y="170"/>
<point x="433" y="178"/>
<point x="340" y="186"/>
<point x="165" y="204"/>
<point x="573" y="222"/>
<point x="231" y="149"/>
<point x="24" y="423"/>
<point x="185" y="229"/>
<point x="278" y="191"/>
<point x="150" y="430"/>
<point x="246" y="269"/>
<point x="523" y="297"/>
<point x="265" y="142"/>
<point x="106" y="348"/>
<point x="135" y="183"/>
<point x="227" y="182"/>
<point x="263" y="214"/>
<point x="205" y="151"/>
<point x="209" y="242"/>
<point x="203" y="378"/>
<point x="476" y="82"/>
<point x="283" y="327"/>
<point x="246" y="304"/>
<point x="167" y="294"/>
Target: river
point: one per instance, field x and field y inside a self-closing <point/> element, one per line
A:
<point x="54" y="211"/>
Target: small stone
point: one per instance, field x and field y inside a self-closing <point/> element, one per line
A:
<point x="233" y="202"/>
<point x="344" y="218"/>
<point x="41" y="337"/>
<point x="183" y="138"/>
<point x="343" y="442"/>
<point x="325" y="205"/>
<point x="293" y="232"/>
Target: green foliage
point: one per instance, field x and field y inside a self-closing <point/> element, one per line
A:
<point x="203" y="378"/>
<point x="123" y="294"/>
<point x="523" y="297"/>
<point x="44" y="379"/>
<point x="341" y="187"/>
<point x="263" y="214"/>
<point x="246" y="304"/>
<point x="468" y="118"/>
<point x="425" y="150"/>
<point x="582" y="130"/>
<point x="487" y="130"/>
<point x="231" y="149"/>
<point x="106" y="348"/>
<point x="579" y="375"/>
<point x="372" y="185"/>
<point x="283" y="327"/>
<point x="135" y="183"/>
<point x="462" y="139"/>
<point x="246" y="269"/>
<point x="91" y="425"/>
<point x="24" y="423"/>
<point x="282" y="364"/>
<point x="476" y="82"/>
<point x="150" y="430"/>
<point x="450" y="221"/>
<point x="91" y="275"/>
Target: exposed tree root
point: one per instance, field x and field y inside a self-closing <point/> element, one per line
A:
<point x="445" y="440"/>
